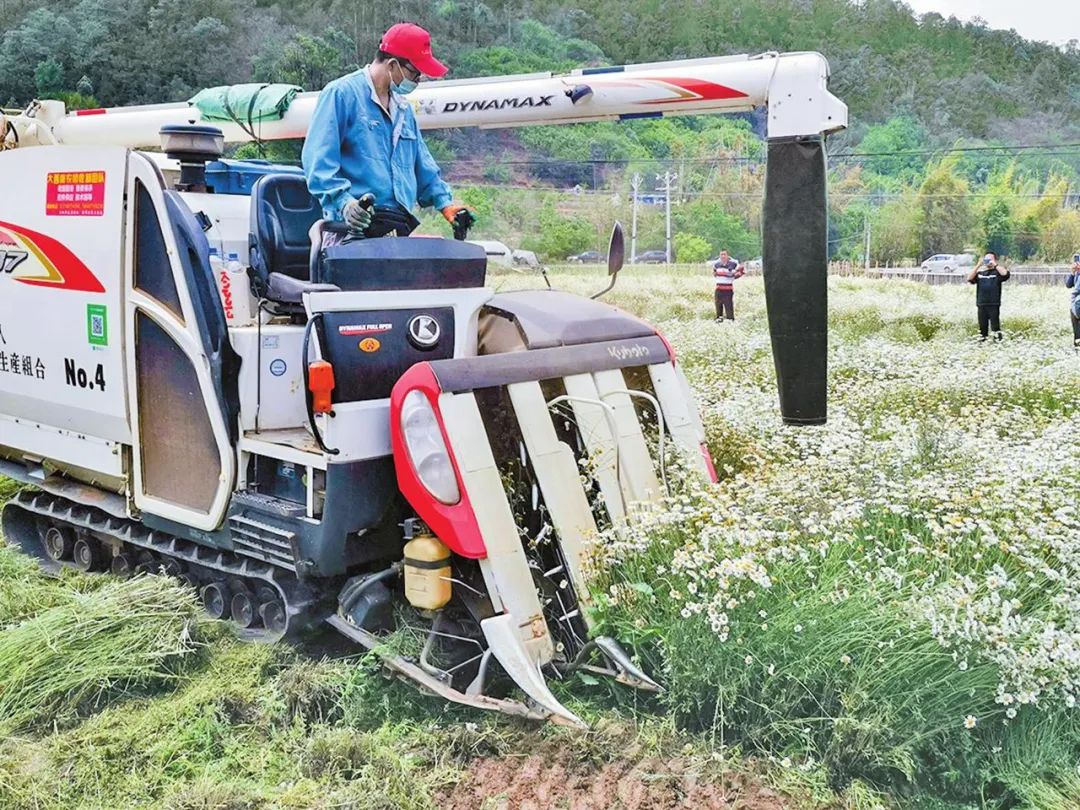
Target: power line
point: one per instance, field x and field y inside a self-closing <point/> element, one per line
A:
<point x="870" y="195"/>
<point x="915" y="192"/>
<point x="1057" y="150"/>
<point x="690" y="161"/>
<point x="955" y="149"/>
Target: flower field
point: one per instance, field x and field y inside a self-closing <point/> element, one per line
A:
<point x="893" y="597"/>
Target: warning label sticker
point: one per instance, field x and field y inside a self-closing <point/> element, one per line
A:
<point x="75" y="194"/>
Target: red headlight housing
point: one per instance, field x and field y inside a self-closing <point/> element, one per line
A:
<point x="428" y="474"/>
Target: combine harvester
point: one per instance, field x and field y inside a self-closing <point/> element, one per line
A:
<point x="362" y="434"/>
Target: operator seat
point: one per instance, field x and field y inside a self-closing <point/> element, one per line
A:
<point x="282" y="213"/>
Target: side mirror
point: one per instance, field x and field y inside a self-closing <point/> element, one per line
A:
<point x="616" y="257"/>
<point x="616" y="254"/>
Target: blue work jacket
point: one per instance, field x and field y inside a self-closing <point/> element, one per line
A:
<point x="353" y="148"/>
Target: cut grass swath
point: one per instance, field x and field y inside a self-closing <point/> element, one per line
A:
<point x="123" y="635"/>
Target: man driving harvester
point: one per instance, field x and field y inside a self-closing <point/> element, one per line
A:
<point x="364" y="158"/>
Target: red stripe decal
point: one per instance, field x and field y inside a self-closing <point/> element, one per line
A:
<point x="697" y="90"/>
<point x="70" y="272"/>
<point x="96" y="111"/>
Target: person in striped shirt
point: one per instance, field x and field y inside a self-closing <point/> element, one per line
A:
<point x="725" y="271"/>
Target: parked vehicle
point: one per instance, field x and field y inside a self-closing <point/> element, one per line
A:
<point x="525" y="258"/>
<point x="496" y="252"/>
<point x="651" y="257"/>
<point x="588" y="257"/>
<point x="947" y="262"/>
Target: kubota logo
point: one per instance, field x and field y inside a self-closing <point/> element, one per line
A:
<point x="635" y="352"/>
<point x="33" y="258"/>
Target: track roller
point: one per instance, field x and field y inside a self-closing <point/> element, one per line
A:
<point x="216" y="598"/>
<point x="148" y="563"/>
<point x="123" y="565"/>
<point x="59" y="543"/>
<point x="273" y="615"/>
<point x="190" y="580"/>
<point x="242" y="608"/>
<point x="88" y="555"/>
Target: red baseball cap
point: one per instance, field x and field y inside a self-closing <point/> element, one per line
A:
<point x="410" y="41"/>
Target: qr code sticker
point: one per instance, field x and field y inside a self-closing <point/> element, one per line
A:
<point x="97" y="325"/>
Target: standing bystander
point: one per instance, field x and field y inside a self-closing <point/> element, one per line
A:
<point x="1072" y="281"/>
<point x="725" y="271"/>
<point x="988" y="278"/>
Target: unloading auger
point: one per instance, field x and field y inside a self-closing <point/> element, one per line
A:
<point x="361" y="434"/>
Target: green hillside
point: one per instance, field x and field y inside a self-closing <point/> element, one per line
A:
<point x="957" y="80"/>
<point x="935" y="104"/>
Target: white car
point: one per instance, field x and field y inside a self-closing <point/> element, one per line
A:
<point x="948" y="262"/>
<point x="496" y="252"/>
<point x="525" y="258"/>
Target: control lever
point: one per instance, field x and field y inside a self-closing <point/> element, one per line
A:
<point x="462" y="222"/>
<point x="366" y="202"/>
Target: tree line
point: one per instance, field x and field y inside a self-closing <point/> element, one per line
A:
<point x="928" y="97"/>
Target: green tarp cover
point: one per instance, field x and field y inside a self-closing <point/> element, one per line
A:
<point x="245" y="104"/>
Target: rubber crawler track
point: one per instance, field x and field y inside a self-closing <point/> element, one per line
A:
<point x="212" y="563"/>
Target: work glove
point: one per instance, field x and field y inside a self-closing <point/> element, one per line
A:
<point x="460" y="218"/>
<point x="357" y="217"/>
<point x="452" y="210"/>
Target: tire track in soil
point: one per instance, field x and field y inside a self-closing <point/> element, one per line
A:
<point x="546" y="782"/>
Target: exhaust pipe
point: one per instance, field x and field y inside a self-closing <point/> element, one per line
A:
<point x="795" y="264"/>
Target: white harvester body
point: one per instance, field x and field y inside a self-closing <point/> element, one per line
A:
<point x="187" y="391"/>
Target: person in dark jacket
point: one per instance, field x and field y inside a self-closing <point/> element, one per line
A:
<point x="1072" y="281"/>
<point x="988" y="278"/>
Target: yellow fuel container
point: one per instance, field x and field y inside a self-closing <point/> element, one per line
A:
<point x="427" y="572"/>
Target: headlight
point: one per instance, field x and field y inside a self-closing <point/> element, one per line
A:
<point x="427" y="449"/>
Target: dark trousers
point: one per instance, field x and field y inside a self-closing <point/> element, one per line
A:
<point x="1076" y="326"/>
<point x="725" y="303"/>
<point x="989" y="316"/>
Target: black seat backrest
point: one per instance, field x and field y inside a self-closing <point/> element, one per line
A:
<point x="282" y="213"/>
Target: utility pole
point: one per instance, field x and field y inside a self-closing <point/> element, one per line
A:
<point x="635" y="184"/>
<point x="668" y="178"/>
<point x="866" y="228"/>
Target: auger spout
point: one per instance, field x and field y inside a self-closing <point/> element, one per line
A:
<point x="795" y="265"/>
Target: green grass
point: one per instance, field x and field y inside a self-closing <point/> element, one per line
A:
<point x="109" y="703"/>
<point x="854" y="684"/>
<point x="114" y="694"/>
<point x="75" y="655"/>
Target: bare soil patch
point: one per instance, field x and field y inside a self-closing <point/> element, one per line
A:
<point x="552" y="779"/>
